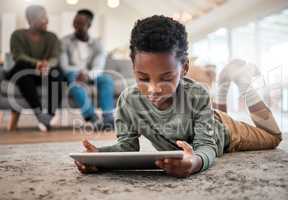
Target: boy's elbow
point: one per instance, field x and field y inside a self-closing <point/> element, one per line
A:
<point x="130" y="147"/>
<point x="135" y="148"/>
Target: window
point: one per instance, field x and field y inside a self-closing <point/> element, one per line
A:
<point x="201" y="50"/>
<point x="273" y="41"/>
<point x="213" y="49"/>
<point x="243" y="42"/>
<point x="263" y="42"/>
<point x="218" y="51"/>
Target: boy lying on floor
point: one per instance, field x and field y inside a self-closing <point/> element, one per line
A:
<point x="175" y="113"/>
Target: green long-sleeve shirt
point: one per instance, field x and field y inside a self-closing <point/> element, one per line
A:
<point x="23" y="48"/>
<point x="190" y="118"/>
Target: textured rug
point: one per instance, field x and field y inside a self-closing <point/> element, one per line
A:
<point x="45" y="171"/>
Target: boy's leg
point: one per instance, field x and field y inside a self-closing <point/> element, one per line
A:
<point x="245" y="137"/>
<point x="81" y="97"/>
<point x="266" y="134"/>
<point x="222" y="87"/>
<point x="230" y="72"/>
<point x="259" y="112"/>
<point x="263" y="118"/>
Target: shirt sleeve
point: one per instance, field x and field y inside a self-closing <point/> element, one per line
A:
<point x="55" y="52"/>
<point x="204" y="142"/>
<point x="19" y="51"/>
<point x="64" y="57"/>
<point x="127" y="136"/>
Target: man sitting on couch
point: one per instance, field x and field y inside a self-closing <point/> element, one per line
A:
<point x="83" y="59"/>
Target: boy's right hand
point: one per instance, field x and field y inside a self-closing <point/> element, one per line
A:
<point x="85" y="169"/>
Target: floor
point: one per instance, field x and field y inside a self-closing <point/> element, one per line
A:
<point x="42" y="169"/>
<point x="45" y="171"/>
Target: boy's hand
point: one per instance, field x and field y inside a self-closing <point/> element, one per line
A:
<point x="190" y="163"/>
<point x="85" y="169"/>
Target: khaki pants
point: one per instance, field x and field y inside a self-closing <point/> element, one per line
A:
<point x="244" y="137"/>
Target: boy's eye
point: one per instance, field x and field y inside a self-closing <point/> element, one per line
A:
<point x="143" y="79"/>
<point x="168" y="79"/>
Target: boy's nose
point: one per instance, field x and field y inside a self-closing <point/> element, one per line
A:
<point x="154" y="88"/>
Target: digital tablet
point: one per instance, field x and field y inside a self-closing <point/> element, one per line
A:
<point x="125" y="160"/>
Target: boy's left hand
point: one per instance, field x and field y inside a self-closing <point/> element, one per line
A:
<point x="190" y="163"/>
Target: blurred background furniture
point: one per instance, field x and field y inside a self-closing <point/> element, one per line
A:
<point x="120" y="70"/>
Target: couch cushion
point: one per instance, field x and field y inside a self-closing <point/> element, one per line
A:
<point x="121" y="72"/>
<point x="5" y="93"/>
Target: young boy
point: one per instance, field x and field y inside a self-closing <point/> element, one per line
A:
<point x="174" y="112"/>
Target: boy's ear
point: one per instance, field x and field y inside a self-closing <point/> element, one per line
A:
<point x="185" y="67"/>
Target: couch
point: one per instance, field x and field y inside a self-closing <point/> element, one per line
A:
<point x="120" y="70"/>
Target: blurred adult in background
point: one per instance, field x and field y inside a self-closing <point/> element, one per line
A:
<point x="36" y="53"/>
<point x="83" y="60"/>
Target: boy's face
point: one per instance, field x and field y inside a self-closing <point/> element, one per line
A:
<point x="158" y="76"/>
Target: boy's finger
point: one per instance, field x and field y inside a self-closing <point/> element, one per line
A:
<point x="166" y="167"/>
<point x="89" y="147"/>
<point x="159" y="163"/>
<point x="78" y="164"/>
<point x="177" y="171"/>
<point x="91" y="169"/>
<point x="173" y="162"/>
<point x="80" y="167"/>
<point x="169" y="168"/>
<point x="185" y="146"/>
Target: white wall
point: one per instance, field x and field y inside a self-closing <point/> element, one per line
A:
<point x="112" y="25"/>
<point x="117" y="27"/>
<point x="8" y="25"/>
<point x="232" y="14"/>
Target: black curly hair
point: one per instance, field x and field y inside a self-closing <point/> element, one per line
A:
<point x="159" y="34"/>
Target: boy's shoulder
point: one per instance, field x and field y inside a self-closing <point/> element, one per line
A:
<point x="193" y="86"/>
<point x="130" y="92"/>
<point x="195" y="95"/>
<point x="129" y="97"/>
<point x="190" y="86"/>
